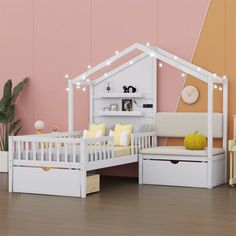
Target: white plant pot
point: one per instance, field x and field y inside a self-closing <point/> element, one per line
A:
<point x="3" y="161"/>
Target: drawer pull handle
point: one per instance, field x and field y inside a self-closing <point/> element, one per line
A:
<point x="46" y="168"/>
<point x="174" y="162"/>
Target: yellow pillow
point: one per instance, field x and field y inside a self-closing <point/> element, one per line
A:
<point x="128" y="128"/>
<point x="120" y="128"/>
<point x="95" y="127"/>
<point x="92" y="134"/>
<point x="120" y="138"/>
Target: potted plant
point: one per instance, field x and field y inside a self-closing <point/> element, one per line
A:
<point x="8" y="124"/>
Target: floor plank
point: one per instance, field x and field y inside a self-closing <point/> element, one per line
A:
<point x="122" y="208"/>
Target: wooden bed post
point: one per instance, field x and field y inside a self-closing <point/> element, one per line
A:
<point x="225" y="123"/>
<point x="70" y="106"/>
<point x="10" y="167"/>
<point x="210" y="133"/>
<point x="83" y="172"/>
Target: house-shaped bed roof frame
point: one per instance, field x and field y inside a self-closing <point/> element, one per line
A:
<point x="170" y="59"/>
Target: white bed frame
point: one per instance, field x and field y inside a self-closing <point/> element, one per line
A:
<point x="26" y="173"/>
<point x="33" y="173"/>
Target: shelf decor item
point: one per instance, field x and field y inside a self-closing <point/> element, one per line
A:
<point x="106" y="109"/>
<point x="9" y="126"/>
<point x="127" y="105"/>
<point x="114" y="107"/>
<point x="108" y="88"/>
<point x="129" y="89"/>
<point x="132" y="89"/>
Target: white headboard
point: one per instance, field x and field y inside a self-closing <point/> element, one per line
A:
<point x="142" y="75"/>
<point x="179" y="124"/>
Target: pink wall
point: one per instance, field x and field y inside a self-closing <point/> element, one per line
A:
<point x="45" y="40"/>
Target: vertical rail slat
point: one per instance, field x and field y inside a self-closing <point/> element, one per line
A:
<point x="42" y="151"/>
<point x="66" y="151"/>
<point x="27" y="150"/>
<point x="34" y="150"/>
<point x="18" y="151"/>
<point x="58" y="151"/>
<point x="74" y="152"/>
<point x="49" y="151"/>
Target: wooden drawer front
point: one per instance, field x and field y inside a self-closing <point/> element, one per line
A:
<point x="63" y="182"/>
<point x="191" y="174"/>
<point x="93" y="183"/>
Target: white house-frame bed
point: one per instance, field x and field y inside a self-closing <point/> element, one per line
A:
<point x="58" y="163"/>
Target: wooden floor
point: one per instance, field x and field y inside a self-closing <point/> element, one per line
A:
<point x="121" y="208"/>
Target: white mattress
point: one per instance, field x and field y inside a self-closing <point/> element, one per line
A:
<point x="179" y="151"/>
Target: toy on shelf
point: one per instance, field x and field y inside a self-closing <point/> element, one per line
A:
<point x="232" y="155"/>
<point x="39" y="126"/>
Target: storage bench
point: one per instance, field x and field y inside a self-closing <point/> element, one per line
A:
<point x="176" y="166"/>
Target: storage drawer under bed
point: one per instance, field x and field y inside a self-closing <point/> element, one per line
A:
<point x="62" y="182"/>
<point x="175" y="173"/>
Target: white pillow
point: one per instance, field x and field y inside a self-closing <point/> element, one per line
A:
<point x="92" y="134"/>
<point x="120" y="138"/>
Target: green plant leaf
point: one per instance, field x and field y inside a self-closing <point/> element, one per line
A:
<point x="17" y="131"/>
<point x="10" y="114"/>
<point x="13" y="126"/>
<point x="3" y="117"/>
<point x="18" y="89"/>
<point x="6" y="99"/>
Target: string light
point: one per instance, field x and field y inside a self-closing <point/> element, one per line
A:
<point x="78" y="87"/>
<point x="175" y="57"/>
<point x="84" y="89"/>
<point x="198" y="68"/>
<point x="105" y="74"/>
<point x="214" y="75"/>
<point x="151" y="54"/>
<point x="89" y="66"/>
<point x="147" y="44"/>
<point x="215" y="86"/>
<point x="88" y="80"/>
<point x="66" y="76"/>
<point x="183" y="74"/>
<point x="116" y="52"/>
<point x="131" y="62"/>
<point x="67" y="89"/>
<point x="84" y="77"/>
<point x="224" y="77"/>
<point x="108" y="63"/>
<point x="220" y="88"/>
<point x="160" y="65"/>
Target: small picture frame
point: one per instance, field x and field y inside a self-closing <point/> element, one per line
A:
<point x="127" y="104"/>
<point x="114" y="107"/>
<point x="106" y="109"/>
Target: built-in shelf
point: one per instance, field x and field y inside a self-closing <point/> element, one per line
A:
<point x="120" y="95"/>
<point x="120" y="113"/>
